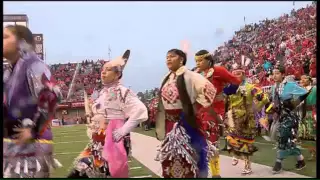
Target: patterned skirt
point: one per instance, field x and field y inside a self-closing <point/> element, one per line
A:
<point x="31" y="160"/>
<point x="179" y="156"/>
<point x="307" y="130"/>
<point x="240" y="136"/>
<point x="90" y="161"/>
<point x="288" y="130"/>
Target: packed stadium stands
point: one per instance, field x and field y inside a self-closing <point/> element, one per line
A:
<point x="73" y="78"/>
<point x="289" y="40"/>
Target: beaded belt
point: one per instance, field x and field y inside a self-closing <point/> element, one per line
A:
<point x="174" y="118"/>
<point x="173" y="115"/>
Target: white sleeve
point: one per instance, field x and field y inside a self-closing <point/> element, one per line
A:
<point x="135" y="110"/>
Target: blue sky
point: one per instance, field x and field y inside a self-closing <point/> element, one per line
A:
<point x="74" y="31"/>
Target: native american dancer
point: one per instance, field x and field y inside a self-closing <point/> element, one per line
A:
<point x="184" y="149"/>
<point x="307" y="127"/>
<point x="219" y="77"/>
<point x="29" y="103"/>
<point x="241" y="126"/>
<point x="285" y="96"/>
<point x="115" y="113"/>
<point x="307" y="130"/>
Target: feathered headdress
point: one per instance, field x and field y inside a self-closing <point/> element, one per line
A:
<point x="119" y="63"/>
<point x="244" y="63"/>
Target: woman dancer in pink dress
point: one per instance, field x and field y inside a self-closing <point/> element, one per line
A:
<point x="115" y="113"/>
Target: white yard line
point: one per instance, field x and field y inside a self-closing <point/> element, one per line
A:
<point x="65" y="126"/>
<point x="67" y="153"/>
<point x="68" y="142"/>
<point x="84" y="134"/>
<point x="141" y="176"/>
<point x="75" y="132"/>
<point x="133" y="168"/>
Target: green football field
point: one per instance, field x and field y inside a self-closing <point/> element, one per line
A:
<point x="70" y="141"/>
<point x="266" y="155"/>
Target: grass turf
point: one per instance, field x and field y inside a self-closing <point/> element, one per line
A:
<point x="266" y="155"/>
<point x="70" y="140"/>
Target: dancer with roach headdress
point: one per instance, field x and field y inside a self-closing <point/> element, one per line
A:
<point x="241" y="125"/>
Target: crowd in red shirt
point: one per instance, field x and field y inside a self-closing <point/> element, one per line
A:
<point x="289" y="40"/>
<point x="85" y="76"/>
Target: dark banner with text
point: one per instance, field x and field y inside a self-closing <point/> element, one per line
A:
<point x="38" y="40"/>
<point x="15" y="19"/>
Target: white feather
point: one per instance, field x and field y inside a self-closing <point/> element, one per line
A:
<point x="247" y="62"/>
<point x="57" y="163"/>
<point x="18" y="167"/>
<point x="267" y="138"/>
<point x="7" y="171"/>
<point x="38" y="166"/>
<point x="25" y="168"/>
<point x="242" y="60"/>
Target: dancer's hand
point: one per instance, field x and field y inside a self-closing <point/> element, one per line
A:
<point x="24" y="134"/>
<point x="117" y="135"/>
<point x="101" y="119"/>
<point x="102" y="124"/>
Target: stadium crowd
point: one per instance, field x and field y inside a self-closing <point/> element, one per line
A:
<point x="289" y="40"/>
<point x="86" y="77"/>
